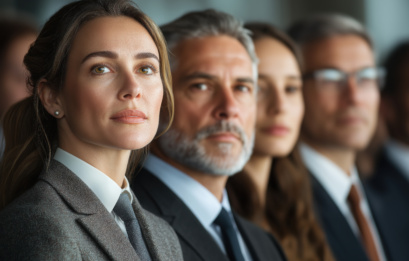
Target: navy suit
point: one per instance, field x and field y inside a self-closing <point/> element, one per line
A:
<point x="388" y="195"/>
<point x="197" y="243"/>
<point x="344" y="244"/>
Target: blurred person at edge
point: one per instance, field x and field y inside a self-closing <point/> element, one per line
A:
<point x="341" y="97"/>
<point x="388" y="186"/>
<point x="99" y="74"/>
<point x="271" y="191"/>
<point x="16" y="35"/>
<point x="214" y="69"/>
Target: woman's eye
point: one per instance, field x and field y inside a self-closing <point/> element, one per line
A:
<point x="292" y="89"/>
<point x="146" y="70"/>
<point x="100" y="69"/>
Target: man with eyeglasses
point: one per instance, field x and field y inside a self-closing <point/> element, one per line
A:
<point x="388" y="187"/>
<point x="341" y="93"/>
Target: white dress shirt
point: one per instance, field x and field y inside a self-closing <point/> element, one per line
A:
<point x="398" y="154"/>
<point x="203" y="204"/>
<point x="337" y="184"/>
<point x="106" y="190"/>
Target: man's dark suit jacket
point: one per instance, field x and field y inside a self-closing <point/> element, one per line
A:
<point x="343" y="242"/>
<point x="197" y="243"/>
<point x="60" y="218"/>
<point x="388" y="194"/>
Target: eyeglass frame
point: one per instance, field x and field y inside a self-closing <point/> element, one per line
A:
<point x="346" y="76"/>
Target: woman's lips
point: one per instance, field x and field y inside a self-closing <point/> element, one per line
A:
<point x="129" y="117"/>
<point x="277" y="130"/>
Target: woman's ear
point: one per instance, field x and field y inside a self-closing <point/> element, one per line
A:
<point x="50" y="99"/>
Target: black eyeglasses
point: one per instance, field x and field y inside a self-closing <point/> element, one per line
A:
<point x="336" y="80"/>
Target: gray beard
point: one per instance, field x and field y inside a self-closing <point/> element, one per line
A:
<point x="190" y="153"/>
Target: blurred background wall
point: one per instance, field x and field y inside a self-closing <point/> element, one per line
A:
<point x="387" y="20"/>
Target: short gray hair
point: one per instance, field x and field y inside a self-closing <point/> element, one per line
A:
<point x="207" y="23"/>
<point x="325" y="26"/>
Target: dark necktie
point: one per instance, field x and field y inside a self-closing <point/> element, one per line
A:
<point x="366" y="234"/>
<point x="229" y="236"/>
<point x="124" y="210"/>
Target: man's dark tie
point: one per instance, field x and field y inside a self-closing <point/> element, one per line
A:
<point x="366" y="234"/>
<point x="124" y="210"/>
<point x="229" y="236"/>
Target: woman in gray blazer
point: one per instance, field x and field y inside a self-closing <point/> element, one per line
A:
<point x="99" y="74"/>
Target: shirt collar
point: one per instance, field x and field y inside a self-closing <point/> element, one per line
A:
<point x="398" y="153"/>
<point x="336" y="182"/>
<point x="198" y="199"/>
<point x="104" y="187"/>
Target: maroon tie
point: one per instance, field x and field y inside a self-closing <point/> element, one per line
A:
<point x="366" y="233"/>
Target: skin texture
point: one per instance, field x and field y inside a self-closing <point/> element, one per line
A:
<point x="212" y="81"/>
<point x="13" y="79"/>
<point x="99" y="86"/>
<point x="280" y="105"/>
<point x="339" y="124"/>
<point x="280" y="109"/>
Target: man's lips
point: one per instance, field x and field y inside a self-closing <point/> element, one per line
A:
<point x="224" y="137"/>
<point x="350" y="120"/>
<point x="129" y="116"/>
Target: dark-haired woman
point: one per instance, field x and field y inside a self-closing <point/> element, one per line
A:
<point x="271" y="191"/>
<point x="99" y="72"/>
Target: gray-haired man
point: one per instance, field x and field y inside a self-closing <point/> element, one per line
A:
<point x="183" y="180"/>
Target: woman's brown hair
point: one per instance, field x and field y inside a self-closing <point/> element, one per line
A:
<point x="288" y="206"/>
<point x="30" y="132"/>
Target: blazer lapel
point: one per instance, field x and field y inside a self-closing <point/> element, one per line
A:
<point x="183" y="221"/>
<point x="92" y="215"/>
<point x="252" y="241"/>
<point x="148" y="229"/>
<point x="196" y="236"/>
<point x="339" y="234"/>
<point x="103" y="229"/>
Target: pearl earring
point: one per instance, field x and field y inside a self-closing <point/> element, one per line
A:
<point x="56" y="113"/>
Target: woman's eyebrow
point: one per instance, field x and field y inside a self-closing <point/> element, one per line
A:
<point x="146" y="55"/>
<point x="107" y="54"/>
<point x="113" y="55"/>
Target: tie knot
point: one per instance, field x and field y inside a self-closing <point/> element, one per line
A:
<point x="223" y="219"/>
<point x="353" y="196"/>
<point x="123" y="208"/>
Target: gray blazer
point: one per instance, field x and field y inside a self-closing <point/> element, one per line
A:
<point x="60" y="218"/>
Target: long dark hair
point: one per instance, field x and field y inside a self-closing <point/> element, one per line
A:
<point x="30" y="132"/>
<point x="288" y="204"/>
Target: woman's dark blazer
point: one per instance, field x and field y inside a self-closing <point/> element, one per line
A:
<point x="60" y="218"/>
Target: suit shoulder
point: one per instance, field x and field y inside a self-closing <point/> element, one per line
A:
<point x="29" y="230"/>
<point x="41" y="200"/>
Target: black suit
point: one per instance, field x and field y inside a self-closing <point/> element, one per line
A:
<point x="388" y="195"/>
<point x="343" y="242"/>
<point x="196" y="242"/>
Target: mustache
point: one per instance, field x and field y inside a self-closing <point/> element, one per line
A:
<point x="222" y="126"/>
